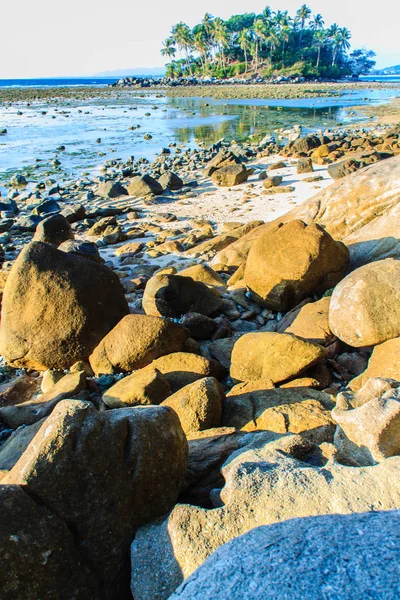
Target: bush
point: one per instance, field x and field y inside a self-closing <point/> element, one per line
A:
<point x="239" y="68"/>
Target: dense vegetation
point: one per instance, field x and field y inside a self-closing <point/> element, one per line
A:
<point x="266" y="44"/>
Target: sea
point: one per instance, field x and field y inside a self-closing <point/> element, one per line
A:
<point x="97" y="130"/>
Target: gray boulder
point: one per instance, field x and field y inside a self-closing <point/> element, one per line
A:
<point x="319" y="558"/>
<point x="54" y="230"/>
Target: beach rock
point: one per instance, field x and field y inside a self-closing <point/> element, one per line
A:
<point x="384" y="362"/>
<point x="205" y="274"/>
<point x="74" y="213"/>
<point x="365" y="306"/>
<point x="173" y="296"/>
<point x="140" y="388"/>
<point x="56" y="308"/>
<point x="18" y="180"/>
<point x="265" y="483"/>
<point x="183" y="368"/>
<point x="230" y="175"/>
<point x="200" y="326"/>
<point x="295" y="410"/>
<point x="273" y="356"/>
<point x="198" y="405"/>
<point x="39" y="553"/>
<point x="170" y="181"/>
<point x="71" y="386"/>
<point x="276" y="166"/>
<point x="19" y="389"/>
<point x="271" y="182"/>
<point x="135" y="342"/>
<point x="111" y="189"/>
<point x="369" y="433"/>
<point x="224" y="158"/>
<point x="304" y="165"/>
<point x="143" y="185"/>
<point x="343" y="168"/>
<point x="86" y="250"/>
<point x="104" y="474"/>
<point x="54" y="230"/>
<point x="102" y="225"/>
<point x="305" y="556"/>
<point x="291" y="261"/>
<point x="304" y="144"/>
<point x="311" y="322"/>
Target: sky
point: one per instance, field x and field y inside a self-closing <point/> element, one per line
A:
<point x="84" y="37"/>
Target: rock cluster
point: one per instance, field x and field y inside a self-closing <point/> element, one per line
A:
<point x="169" y="387"/>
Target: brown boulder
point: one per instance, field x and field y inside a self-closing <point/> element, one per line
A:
<point x="54" y="230"/>
<point x="294" y="410"/>
<point x="144" y="185"/>
<point x="103" y="475"/>
<point x="384" y="362"/>
<point x="312" y="323"/>
<point x="183" y="368"/>
<point x="230" y="175"/>
<point x="56" y="308"/>
<point x="274" y="356"/>
<point x="175" y="295"/>
<point x="135" y="342"/>
<point x="291" y="261"/>
<point x="140" y="388"/>
<point x="198" y="405"/>
<point x="365" y="306"/>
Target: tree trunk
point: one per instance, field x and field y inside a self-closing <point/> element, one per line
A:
<point x="245" y="60"/>
<point x="319" y="55"/>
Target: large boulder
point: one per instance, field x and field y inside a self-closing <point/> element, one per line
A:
<point x="54" y="230"/>
<point x="103" y="475"/>
<point x="349" y="210"/>
<point x="40" y="558"/>
<point x="297" y="410"/>
<point x="292" y="261"/>
<point x="273" y="356"/>
<point x="140" y="388"/>
<point x="365" y="306"/>
<point x="223" y="158"/>
<point x="175" y="295"/>
<point x="198" y="405"/>
<point x="265" y="483"/>
<point x="135" y="342"/>
<point x="170" y="181"/>
<point x="111" y="189"/>
<point x="56" y="308"/>
<point x="230" y="175"/>
<point x="368" y="433"/>
<point x="384" y="362"/>
<point x="319" y="557"/>
<point x="183" y="368"/>
<point x="311" y="322"/>
<point x="144" y="185"/>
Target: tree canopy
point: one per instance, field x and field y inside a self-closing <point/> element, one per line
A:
<point x="266" y="44"/>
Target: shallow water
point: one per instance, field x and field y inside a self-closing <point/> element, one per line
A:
<point x="32" y="139"/>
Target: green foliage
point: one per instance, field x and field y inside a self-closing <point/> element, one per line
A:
<point x="268" y="44"/>
<point x="239" y="68"/>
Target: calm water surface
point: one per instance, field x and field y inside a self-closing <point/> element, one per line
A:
<point x="33" y="137"/>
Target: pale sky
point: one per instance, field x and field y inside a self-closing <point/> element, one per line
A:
<point x="44" y="38"/>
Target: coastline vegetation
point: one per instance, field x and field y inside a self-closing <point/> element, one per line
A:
<point x="266" y="45"/>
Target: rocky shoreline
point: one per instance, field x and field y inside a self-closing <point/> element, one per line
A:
<point x="194" y="347"/>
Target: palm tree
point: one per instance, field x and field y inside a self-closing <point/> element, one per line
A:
<point x="181" y="34"/>
<point x="340" y="38"/>
<point x="168" y="48"/>
<point x="260" y="33"/>
<point x="284" y="37"/>
<point x="200" y="45"/>
<point x="267" y="14"/>
<point x="320" y="38"/>
<point x="244" y="42"/>
<point x="302" y="15"/>
<point x="273" y="40"/>
<point x="221" y="37"/>
<point x="317" y="22"/>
